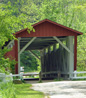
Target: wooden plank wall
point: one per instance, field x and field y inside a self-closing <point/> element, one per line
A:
<point x="53" y="62"/>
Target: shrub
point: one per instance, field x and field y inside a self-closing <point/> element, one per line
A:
<point x="7" y="90"/>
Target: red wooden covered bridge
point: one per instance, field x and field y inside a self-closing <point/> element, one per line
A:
<point x="57" y="44"/>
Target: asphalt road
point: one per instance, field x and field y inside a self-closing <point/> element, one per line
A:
<point x="63" y="89"/>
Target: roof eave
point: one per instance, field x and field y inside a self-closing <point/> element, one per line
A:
<point x="78" y="33"/>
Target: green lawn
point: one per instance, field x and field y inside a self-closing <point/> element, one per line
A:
<point x="24" y="91"/>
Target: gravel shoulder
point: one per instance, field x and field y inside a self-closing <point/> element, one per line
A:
<point x="62" y="89"/>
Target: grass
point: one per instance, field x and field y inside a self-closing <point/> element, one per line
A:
<point x="25" y="91"/>
<point x="56" y="79"/>
<point x="79" y="79"/>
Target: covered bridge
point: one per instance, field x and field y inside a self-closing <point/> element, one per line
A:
<point x="57" y="44"/>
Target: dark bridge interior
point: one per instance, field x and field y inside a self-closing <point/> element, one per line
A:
<point x="53" y="55"/>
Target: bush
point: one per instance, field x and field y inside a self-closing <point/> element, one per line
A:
<point x="7" y="90"/>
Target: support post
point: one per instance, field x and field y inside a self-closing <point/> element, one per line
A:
<point x="49" y="67"/>
<point x="44" y="53"/>
<point x="40" y="74"/>
<point x="20" y="51"/>
<point x="49" y="50"/>
<point x="40" y="77"/>
<point x="70" y="55"/>
<point x="54" y="66"/>
<point x="54" y="47"/>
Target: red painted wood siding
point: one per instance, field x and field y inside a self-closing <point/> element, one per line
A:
<point x="75" y="52"/>
<point x="47" y="29"/>
<point x="11" y="54"/>
<point x="16" y="56"/>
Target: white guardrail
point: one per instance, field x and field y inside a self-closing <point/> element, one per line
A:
<point x="78" y="77"/>
<point x="8" y="78"/>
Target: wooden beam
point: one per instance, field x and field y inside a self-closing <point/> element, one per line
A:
<point x="57" y="39"/>
<point x="10" y="43"/>
<point x="44" y="69"/>
<point x="41" y="55"/>
<point x="40" y="74"/>
<point x="27" y="45"/>
<point x="49" y="49"/>
<point x="34" y="55"/>
<point x="54" y="47"/>
<point x="19" y="55"/>
<point x="70" y="59"/>
<point x="54" y="72"/>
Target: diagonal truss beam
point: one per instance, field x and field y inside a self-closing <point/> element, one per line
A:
<point x="27" y="45"/>
<point x="34" y="54"/>
<point x="57" y="39"/>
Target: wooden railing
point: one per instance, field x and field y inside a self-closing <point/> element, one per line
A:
<point x="78" y="77"/>
<point x="8" y="78"/>
<point x="30" y="73"/>
<point x="74" y="75"/>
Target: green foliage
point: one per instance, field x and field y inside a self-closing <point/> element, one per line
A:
<point x="28" y="61"/>
<point x="84" y="79"/>
<point x="5" y="63"/>
<point x="81" y="55"/>
<point x="66" y="12"/>
<point x="39" y="65"/>
<point x="10" y="21"/>
<point x="7" y="90"/>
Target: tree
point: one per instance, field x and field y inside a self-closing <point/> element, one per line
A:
<point x="29" y="61"/>
<point x="81" y="55"/>
<point x="9" y="24"/>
